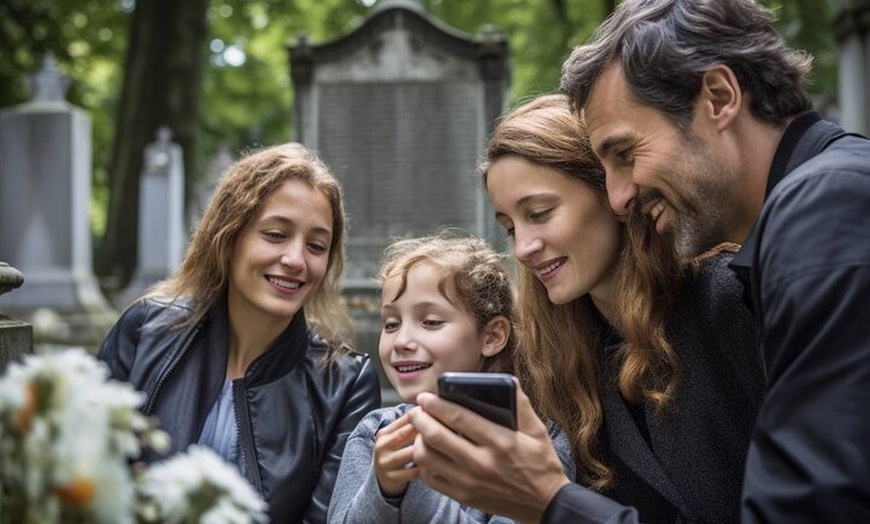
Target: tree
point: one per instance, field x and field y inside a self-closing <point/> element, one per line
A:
<point x="163" y="68"/>
<point x="215" y="72"/>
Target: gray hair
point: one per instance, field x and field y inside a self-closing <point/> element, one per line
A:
<point x="666" y="46"/>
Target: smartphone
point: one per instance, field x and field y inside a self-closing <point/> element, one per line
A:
<point x="491" y="395"/>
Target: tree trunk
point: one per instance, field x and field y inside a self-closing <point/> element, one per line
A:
<point x="163" y="69"/>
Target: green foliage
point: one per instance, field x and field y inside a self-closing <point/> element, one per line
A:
<point x="540" y="35"/>
<point x="807" y="25"/>
<point x="247" y="97"/>
<point x="248" y="101"/>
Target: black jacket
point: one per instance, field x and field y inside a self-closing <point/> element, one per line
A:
<point x="684" y="464"/>
<point x="293" y="413"/>
<point x="807" y="264"/>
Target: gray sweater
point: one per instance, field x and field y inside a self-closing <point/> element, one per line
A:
<point x="357" y="498"/>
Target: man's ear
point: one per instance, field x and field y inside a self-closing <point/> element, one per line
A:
<point x="495" y="336"/>
<point x="721" y="96"/>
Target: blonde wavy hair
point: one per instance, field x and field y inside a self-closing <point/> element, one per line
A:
<point x="204" y="274"/>
<point x="557" y="358"/>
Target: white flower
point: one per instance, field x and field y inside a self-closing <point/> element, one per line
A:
<point x="67" y="434"/>
<point x="177" y="485"/>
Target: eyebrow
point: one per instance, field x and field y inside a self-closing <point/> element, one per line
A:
<point x="526" y="199"/>
<point x="426" y="304"/>
<point x="286" y="221"/>
<point x="610" y="143"/>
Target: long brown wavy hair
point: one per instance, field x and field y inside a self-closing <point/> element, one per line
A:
<point x="559" y="345"/>
<point x="204" y="274"/>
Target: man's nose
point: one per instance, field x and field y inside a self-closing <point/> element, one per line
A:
<point x="621" y="193"/>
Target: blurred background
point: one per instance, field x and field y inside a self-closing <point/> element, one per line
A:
<point x="216" y="72"/>
<point x="193" y="84"/>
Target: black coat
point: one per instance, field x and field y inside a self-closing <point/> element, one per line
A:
<point x="294" y="413"/>
<point x="689" y="465"/>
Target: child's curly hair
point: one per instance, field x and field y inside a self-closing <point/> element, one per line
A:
<point x="475" y="280"/>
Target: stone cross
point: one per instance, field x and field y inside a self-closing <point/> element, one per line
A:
<point x="47" y="85"/>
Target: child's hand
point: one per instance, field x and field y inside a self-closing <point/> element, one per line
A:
<point x="393" y="452"/>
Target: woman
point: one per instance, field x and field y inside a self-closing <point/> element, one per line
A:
<point x="652" y="368"/>
<point x="244" y="348"/>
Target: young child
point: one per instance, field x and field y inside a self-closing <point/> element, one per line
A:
<point x="446" y="305"/>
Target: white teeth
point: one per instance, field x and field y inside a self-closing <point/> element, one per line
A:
<point x="657" y="210"/>
<point x="551" y="267"/>
<point x="285" y="284"/>
<point x="412" y="367"/>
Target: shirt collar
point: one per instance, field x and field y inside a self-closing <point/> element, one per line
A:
<point x="783" y="163"/>
<point x="787" y="145"/>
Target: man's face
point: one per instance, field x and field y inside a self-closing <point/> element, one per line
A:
<point x="679" y="181"/>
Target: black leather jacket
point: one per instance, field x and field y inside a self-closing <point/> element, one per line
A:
<point x="294" y="413"/>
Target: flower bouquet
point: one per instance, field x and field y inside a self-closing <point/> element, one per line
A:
<point x="68" y="436"/>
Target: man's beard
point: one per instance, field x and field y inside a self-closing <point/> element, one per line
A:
<point x="701" y="222"/>
<point x="695" y="234"/>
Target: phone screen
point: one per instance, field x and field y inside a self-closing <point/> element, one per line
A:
<point x="491" y="395"/>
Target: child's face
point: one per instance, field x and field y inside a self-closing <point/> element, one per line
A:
<point x="423" y="334"/>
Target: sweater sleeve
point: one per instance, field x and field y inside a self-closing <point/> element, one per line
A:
<point x="563" y="449"/>
<point x="357" y="497"/>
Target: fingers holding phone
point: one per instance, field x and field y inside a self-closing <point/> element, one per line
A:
<point x="512" y="473"/>
<point x="393" y="456"/>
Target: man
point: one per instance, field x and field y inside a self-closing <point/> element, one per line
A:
<point x="697" y="111"/>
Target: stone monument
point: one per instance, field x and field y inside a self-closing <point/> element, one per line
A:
<point x="45" y="198"/>
<point x="16" y="337"/>
<point x="400" y="109"/>
<point x="162" y="235"/>
<point x="852" y="29"/>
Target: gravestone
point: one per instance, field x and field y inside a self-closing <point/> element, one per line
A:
<point x="400" y="109"/>
<point x="852" y="29"/>
<point x="45" y="198"/>
<point x="204" y="189"/>
<point x="16" y="337"/>
<point x="162" y="234"/>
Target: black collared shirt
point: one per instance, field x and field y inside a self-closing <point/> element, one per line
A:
<point x="806" y="266"/>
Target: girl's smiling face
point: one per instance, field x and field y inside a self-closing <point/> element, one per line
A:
<point x="423" y="334"/>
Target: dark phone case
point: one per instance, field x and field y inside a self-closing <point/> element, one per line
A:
<point x="491" y="395"/>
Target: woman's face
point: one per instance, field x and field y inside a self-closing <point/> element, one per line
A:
<point x="562" y="230"/>
<point x="281" y="255"/>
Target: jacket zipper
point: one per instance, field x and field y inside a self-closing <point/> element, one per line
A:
<point x="246" y="439"/>
<point x="172" y="365"/>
